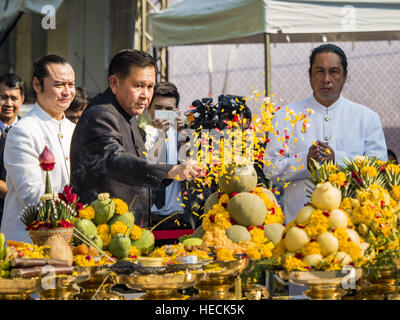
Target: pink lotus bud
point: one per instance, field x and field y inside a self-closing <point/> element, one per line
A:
<point x="46" y="159"/>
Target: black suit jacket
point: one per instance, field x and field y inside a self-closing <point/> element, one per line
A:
<point x="107" y="155"/>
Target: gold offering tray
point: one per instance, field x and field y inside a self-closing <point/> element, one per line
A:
<point x="217" y="285"/>
<point x="323" y="285"/>
<point x="18" y="288"/>
<point x="160" y="286"/>
<point x="62" y="287"/>
<point x="98" y="285"/>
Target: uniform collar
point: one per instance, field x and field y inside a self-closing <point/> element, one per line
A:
<point x="314" y="104"/>
<point x="3" y="126"/>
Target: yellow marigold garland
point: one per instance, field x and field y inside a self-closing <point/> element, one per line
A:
<point x="136" y="232"/>
<point x="118" y="227"/>
<point x="87" y="213"/>
<point x="120" y="206"/>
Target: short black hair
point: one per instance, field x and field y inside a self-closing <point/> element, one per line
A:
<point x="13" y="81"/>
<point x="81" y="99"/>
<point x="40" y="70"/>
<point x="121" y="63"/>
<point x="167" y="89"/>
<point x="325" y="48"/>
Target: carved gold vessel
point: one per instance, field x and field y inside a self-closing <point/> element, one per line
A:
<point x="224" y="283"/>
<point x="385" y="287"/>
<point x="18" y="288"/>
<point x="98" y="285"/>
<point x="323" y="285"/>
<point x="63" y="287"/>
<point x="163" y="286"/>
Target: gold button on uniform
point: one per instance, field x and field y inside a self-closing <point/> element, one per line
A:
<point x="66" y="158"/>
<point x="326" y="138"/>
<point x="326" y="119"/>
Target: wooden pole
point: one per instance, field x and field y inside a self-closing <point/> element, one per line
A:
<point x="267" y="64"/>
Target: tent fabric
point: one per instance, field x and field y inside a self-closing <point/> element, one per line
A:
<point x="232" y="21"/>
<point x="9" y="9"/>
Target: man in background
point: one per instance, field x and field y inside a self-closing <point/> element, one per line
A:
<point x="170" y="199"/>
<point x="74" y="112"/>
<point x="12" y="95"/>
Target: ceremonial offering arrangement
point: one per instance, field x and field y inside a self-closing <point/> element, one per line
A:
<point x="322" y="237"/>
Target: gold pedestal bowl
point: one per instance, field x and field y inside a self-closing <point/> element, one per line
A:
<point x="322" y="285"/>
<point x="162" y="286"/>
<point x="385" y="287"/>
<point x="19" y="288"/>
<point x="218" y="285"/>
<point x="62" y="287"/>
<point x="98" y="285"/>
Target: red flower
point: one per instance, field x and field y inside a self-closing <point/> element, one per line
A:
<point x="79" y="206"/>
<point x="326" y="213"/>
<point x="299" y="256"/>
<point x="250" y="228"/>
<point x="382" y="168"/>
<point x="260" y="227"/>
<point x="212" y="218"/>
<point x="231" y="195"/>
<point x="46" y="159"/>
<point x="382" y="204"/>
<point x="235" y="118"/>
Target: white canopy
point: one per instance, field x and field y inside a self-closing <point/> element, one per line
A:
<point x="233" y="21"/>
<point x="10" y="9"/>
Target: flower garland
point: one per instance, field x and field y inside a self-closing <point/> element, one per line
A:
<point x="120" y="206"/>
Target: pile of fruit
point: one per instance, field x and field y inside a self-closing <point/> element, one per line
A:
<point x="109" y="227"/>
<point x="241" y="218"/>
<point x="322" y="237"/>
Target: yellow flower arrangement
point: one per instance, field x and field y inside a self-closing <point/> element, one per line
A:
<point x="224" y="254"/>
<point x="120" y="206"/>
<point x="346" y="245"/>
<point x="136" y="232"/>
<point x="87" y="213"/>
<point x="103" y="228"/>
<point x="134" y="252"/>
<point x="395" y="193"/>
<point x="292" y="263"/>
<point x="32" y="251"/>
<point x="217" y="217"/>
<point x="369" y="171"/>
<point x="312" y="247"/>
<point x="105" y="238"/>
<point x="337" y="179"/>
<point x="274" y="212"/>
<point x="317" y="224"/>
<point x="391" y="167"/>
<point x="119" y="227"/>
<point x="258" y="236"/>
<point x="331" y="168"/>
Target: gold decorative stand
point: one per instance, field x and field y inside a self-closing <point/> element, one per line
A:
<point x="323" y="285"/>
<point x="385" y="287"/>
<point x="18" y="288"/>
<point x="98" y="286"/>
<point x="160" y="286"/>
<point x="218" y="285"/>
<point x="64" y="287"/>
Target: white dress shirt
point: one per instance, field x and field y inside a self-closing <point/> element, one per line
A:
<point x="173" y="201"/>
<point x="25" y="179"/>
<point x="350" y="129"/>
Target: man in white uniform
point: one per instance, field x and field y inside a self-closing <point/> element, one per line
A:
<point x="338" y="129"/>
<point x="53" y="81"/>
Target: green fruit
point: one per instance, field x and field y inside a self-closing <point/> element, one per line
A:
<point x="87" y="227"/>
<point x="146" y="242"/>
<point x="119" y="246"/>
<point x="127" y="218"/>
<point x="247" y="209"/>
<point x="210" y="202"/>
<point x="198" y="233"/>
<point x="104" y="208"/>
<point x="96" y="240"/>
<point x="192" y="242"/>
<point x="238" y="179"/>
<point x="238" y="233"/>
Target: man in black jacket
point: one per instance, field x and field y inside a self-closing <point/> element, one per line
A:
<point x="107" y="149"/>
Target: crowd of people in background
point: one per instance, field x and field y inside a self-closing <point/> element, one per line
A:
<point x="101" y="143"/>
